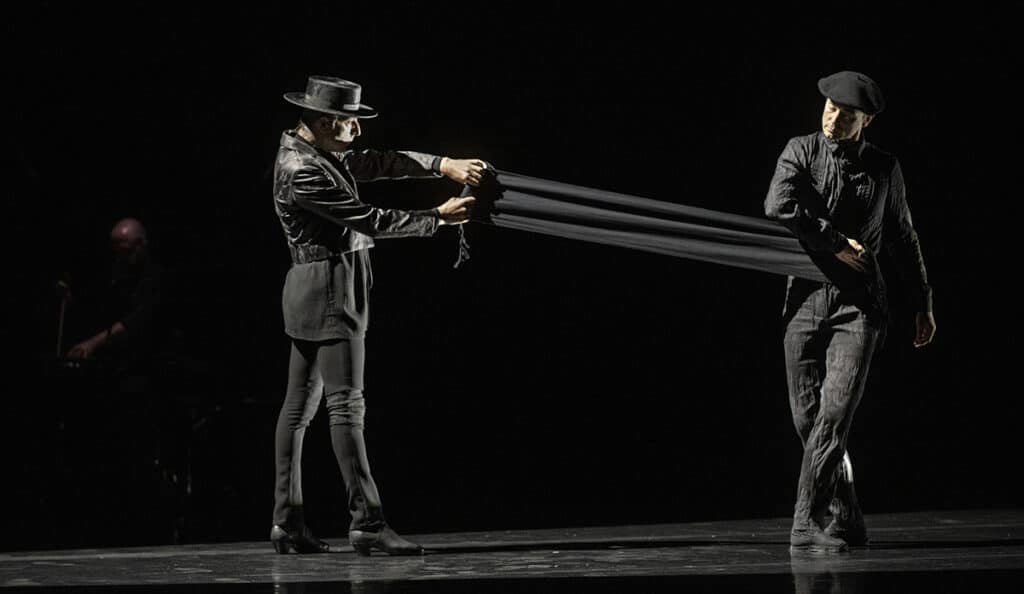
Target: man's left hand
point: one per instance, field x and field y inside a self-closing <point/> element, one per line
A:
<point x="925" y="328"/>
<point x="463" y="171"/>
<point x="83" y="350"/>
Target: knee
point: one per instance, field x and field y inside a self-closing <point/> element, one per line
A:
<point x="803" y="405"/>
<point x="346" y="407"/>
<point x="834" y="418"/>
<point x="803" y="425"/>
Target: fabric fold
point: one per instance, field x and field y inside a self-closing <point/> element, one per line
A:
<point x="524" y="203"/>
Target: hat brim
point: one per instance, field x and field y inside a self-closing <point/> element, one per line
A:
<point x="299" y="98"/>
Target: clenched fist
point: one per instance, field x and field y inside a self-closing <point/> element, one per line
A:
<point x="463" y="171"/>
<point x="854" y="255"/>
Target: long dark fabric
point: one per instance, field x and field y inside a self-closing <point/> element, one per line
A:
<point x="525" y="203"/>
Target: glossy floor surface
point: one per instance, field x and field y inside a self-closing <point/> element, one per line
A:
<point x="940" y="551"/>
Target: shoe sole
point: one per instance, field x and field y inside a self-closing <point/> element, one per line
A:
<point x="851" y="541"/>
<point x="816" y="550"/>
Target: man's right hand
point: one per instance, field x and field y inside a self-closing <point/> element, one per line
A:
<point x="854" y="255"/>
<point x="463" y="171"/>
<point x="456" y="211"/>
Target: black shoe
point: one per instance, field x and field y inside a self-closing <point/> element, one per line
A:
<point x="385" y="539"/>
<point x="851" y="530"/>
<point x="813" y="540"/>
<point x="301" y="541"/>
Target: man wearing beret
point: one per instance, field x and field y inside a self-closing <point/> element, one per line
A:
<point x="329" y="232"/>
<point x="844" y="199"/>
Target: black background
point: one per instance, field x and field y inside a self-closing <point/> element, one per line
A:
<point x="546" y="382"/>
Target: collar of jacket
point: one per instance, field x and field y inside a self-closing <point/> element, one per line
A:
<point x="291" y="139"/>
<point x="847" y="149"/>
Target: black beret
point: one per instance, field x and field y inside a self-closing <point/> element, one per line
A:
<point x="853" y="89"/>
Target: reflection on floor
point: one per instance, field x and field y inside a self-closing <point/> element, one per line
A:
<point x="942" y="551"/>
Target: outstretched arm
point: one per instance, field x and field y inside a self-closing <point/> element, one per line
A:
<point x="313" y="190"/>
<point x="371" y="165"/>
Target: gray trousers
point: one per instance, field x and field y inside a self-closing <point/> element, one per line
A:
<point x="829" y="341"/>
<point x="330" y="371"/>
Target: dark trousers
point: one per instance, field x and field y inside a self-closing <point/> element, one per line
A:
<point x="332" y="371"/>
<point x="829" y="341"/>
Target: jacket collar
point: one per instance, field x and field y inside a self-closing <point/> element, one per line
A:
<point x="850" y="150"/>
<point x="291" y="140"/>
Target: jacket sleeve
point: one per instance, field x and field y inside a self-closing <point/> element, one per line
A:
<point x="793" y="201"/>
<point x="371" y="165"/>
<point x="315" y="191"/>
<point x="901" y="242"/>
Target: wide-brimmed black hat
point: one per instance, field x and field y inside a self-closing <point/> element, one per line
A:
<point x="332" y="95"/>
<point x="854" y="90"/>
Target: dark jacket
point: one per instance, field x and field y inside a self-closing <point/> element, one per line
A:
<point x="825" y="192"/>
<point x="329" y="230"/>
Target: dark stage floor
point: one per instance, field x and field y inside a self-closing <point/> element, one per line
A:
<point x="944" y="551"/>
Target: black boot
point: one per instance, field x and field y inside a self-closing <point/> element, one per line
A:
<point x="384" y="539"/>
<point x="296" y="537"/>
<point x="808" y="537"/>
<point x="852" y="530"/>
<point x="368" y="530"/>
<point x="299" y="541"/>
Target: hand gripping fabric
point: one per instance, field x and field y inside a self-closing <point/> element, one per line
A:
<point x="515" y="201"/>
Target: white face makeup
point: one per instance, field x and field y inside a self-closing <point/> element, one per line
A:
<point x="335" y="133"/>
<point x="346" y="130"/>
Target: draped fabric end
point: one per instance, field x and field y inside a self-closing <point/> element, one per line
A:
<point x="463" y="248"/>
<point x="515" y="201"/>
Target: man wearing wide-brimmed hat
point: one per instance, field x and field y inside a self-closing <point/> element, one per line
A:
<point x="329" y="231"/>
<point x="844" y="199"/>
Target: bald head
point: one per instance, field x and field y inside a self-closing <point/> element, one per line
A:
<point x="128" y="240"/>
<point x="128" y="230"/>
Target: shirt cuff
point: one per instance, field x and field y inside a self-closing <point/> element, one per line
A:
<point x="435" y="164"/>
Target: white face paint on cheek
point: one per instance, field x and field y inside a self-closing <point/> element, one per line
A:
<point x="345" y="132"/>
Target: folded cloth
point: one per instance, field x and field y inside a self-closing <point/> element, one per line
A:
<point x="515" y="201"/>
